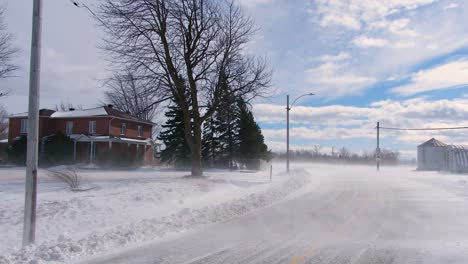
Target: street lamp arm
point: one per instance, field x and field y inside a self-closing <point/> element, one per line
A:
<point x="288" y="108"/>
<point x="298" y="99"/>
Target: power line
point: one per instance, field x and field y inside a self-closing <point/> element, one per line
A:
<point x="421" y="129"/>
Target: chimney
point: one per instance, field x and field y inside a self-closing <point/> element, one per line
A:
<point x="71" y="109"/>
<point x="110" y="106"/>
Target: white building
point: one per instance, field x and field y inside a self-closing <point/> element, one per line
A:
<point x="432" y="155"/>
<point x="436" y="155"/>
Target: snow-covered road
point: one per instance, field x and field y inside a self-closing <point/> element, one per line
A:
<point x="347" y="215"/>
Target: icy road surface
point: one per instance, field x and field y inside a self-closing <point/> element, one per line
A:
<point x="348" y="215"/>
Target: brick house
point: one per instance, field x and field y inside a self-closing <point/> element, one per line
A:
<point x="96" y="133"/>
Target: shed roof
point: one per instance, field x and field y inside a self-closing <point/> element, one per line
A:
<point x="458" y="147"/>
<point x="433" y="143"/>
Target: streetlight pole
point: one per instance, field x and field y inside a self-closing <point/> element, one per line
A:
<point x="288" y="108"/>
<point x="29" y="225"/>
<point x="287" y="132"/>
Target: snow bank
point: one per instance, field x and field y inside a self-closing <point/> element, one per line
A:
<point x="226" y="203"/>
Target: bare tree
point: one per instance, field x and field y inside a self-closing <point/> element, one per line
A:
<point x="316" y="150"/>
<point x="3" y="123"/>
<point x="185" y="49"/>
<point x="7" y="68"/>
<point x="131" y="94"/>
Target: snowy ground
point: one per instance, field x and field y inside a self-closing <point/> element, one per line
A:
<point x="126" y="208"/>
<point x="348" y="214"/>
<point x="396" y="208"/>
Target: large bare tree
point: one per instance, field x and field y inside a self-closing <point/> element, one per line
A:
<point x="7" y="51"/>
<point x="186" y="49"/>
<point x="131" y="94"/>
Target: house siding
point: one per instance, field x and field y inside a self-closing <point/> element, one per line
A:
<point x="81" y="125"/>
<point x="132" y="129"/>
<point x="14" y="128"/>
<point x="49" y="126"/>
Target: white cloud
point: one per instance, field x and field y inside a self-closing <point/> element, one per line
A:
<point x="251" y="3"/>
<point x="404" y="45"/>
<point x="364" y="42"/>
<point x="451" y="6"/>
<point x="346" y="21"/>
<point x="347" y="123"/>
<point x="334" y="80"/>
<point x="447" y="76"/>
<point x="400" y="27"/>
<point x="365" y="11"/>
<point x="334" y="58"/>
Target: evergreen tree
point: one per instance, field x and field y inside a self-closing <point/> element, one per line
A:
<point x="252" y="148"/>
<point x="211" y="147"/>
<point x="177" y="150"/>
<point x="229" y="114"/>
<point x="221" y="131"/>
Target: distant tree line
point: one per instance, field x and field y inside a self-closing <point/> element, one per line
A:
<point x="342" y="155"/>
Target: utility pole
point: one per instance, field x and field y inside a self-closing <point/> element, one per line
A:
<point x="377" y="152"/>
<point x="288" y="108"/>
<point x="287" y="133"/>
<point x="29" y="227"/>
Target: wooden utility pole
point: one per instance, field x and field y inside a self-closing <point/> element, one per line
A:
<point x="29" y="227"/>
<point x="377" y="151"/>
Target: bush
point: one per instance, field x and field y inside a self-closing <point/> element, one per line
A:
<point x="58" y="150"/>
<point x="17" y="151"/>
<point x="68" y="176"/>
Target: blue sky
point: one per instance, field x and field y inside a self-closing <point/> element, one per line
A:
<point x="401" y="62"/>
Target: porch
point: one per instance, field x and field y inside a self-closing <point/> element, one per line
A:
<point x="108" y="150"/>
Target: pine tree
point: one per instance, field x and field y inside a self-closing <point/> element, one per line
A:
<point x="221" y="131"/>
<point x="176" y="149"/>
<point x="229" y="114"/>
<point x="252" y="148"/>
<point x="211" y="147"/>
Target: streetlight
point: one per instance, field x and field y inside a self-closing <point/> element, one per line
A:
<point x="288" y="108"/>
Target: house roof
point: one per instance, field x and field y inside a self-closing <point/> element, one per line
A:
<point x="88" y="138"/>
<point x="98" y="111"/>
<point x="433" y="143"/>
<point x="91" y="112"/>
<point x="42" y="112"/>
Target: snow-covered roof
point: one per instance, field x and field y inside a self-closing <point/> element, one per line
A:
<point x="87" y="138"/>
<point x="458" y="147"/>
<point x="98" y="111"/>
<point x="92" y="112"/>
<point x="433" y="143"/>
<point x="19" y="114"/>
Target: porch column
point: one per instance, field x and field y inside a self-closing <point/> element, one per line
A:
<point x="144" y="154"/>
<point x="91" y="151"/>
<point x="74" y="150"/>
<point x="110" y="144"/>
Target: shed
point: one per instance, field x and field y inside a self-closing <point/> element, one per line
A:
<point x="457" y="158"/>
<point x="432" y="155"/>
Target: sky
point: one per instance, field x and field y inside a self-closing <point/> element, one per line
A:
<point x="403" y="63"/>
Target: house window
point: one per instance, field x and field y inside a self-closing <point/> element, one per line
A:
<point x="24" y="126"/>
<point x="123" y="129"/>
<point x="69" y="128"/>
<point x="140" y="131"/>
<point x="92" y="127"/>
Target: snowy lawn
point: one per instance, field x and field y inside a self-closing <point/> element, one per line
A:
<point x="126" y="207"/>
